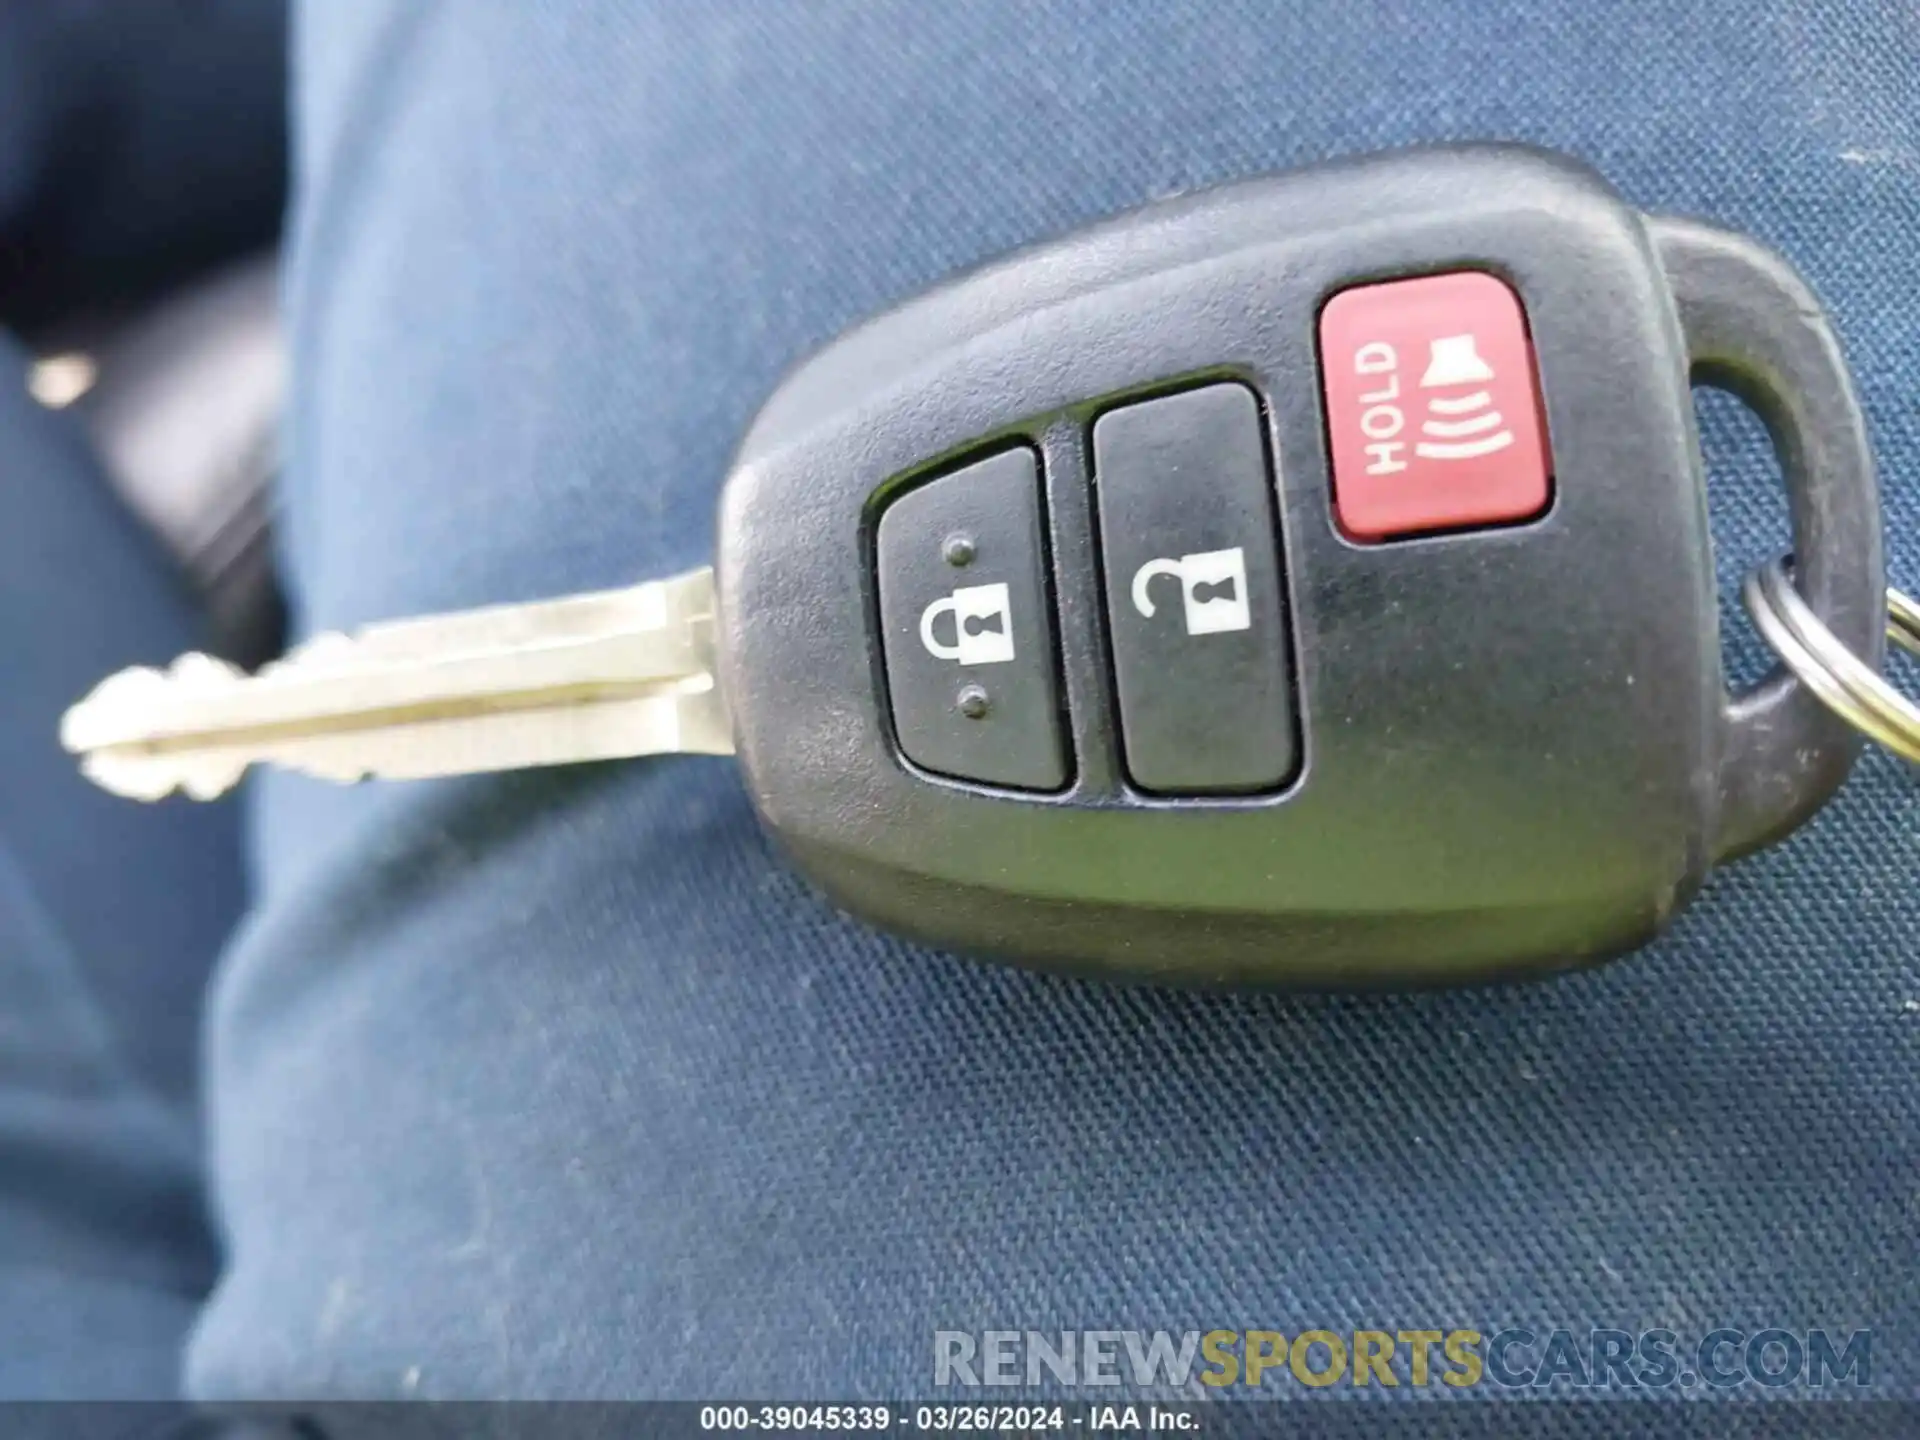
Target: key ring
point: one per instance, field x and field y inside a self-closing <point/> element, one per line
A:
<point x="1844" y="682"/>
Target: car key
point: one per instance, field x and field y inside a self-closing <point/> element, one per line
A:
<point x="1304" y="581"/>
<point x="591" y="677"/>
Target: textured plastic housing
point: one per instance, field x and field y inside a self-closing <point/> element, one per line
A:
<point x="1517" y="751"/>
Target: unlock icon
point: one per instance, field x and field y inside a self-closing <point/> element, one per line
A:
<point x="982" y="626"/>
<point x="1213" y="589"/>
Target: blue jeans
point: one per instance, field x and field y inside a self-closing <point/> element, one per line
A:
<point x="561" y="1084"/>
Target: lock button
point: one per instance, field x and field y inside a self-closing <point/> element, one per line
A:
<point x="968" y="628"/>
<point x="1193" y="583"/>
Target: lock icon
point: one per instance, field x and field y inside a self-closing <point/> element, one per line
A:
<point x="982" y="626"/>
<point x="1213" y="589"/>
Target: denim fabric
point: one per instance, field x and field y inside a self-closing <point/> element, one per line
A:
<point x="110" y="918"/>
<point x="138" y="139"/>
<point x="561" y="1084"/>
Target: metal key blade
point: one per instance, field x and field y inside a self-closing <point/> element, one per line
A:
<point x="592" y="677"/>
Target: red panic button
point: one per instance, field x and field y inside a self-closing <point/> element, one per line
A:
<point x="1433" y="406"/>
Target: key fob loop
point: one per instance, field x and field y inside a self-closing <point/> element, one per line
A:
<point x="1754" y="328"/>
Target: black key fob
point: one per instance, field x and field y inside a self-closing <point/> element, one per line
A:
<point x="1303" y="581"/>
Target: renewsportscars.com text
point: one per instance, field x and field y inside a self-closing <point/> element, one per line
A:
<point x="1459" y="1358"/>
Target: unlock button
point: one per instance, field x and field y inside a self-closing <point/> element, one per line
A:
<point x="968" y="628"/>
<point x="1192" y="560"/>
